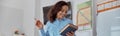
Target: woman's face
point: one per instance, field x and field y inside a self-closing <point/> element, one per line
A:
<point x="61" y="14"/>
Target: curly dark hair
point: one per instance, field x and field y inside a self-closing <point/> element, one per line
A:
<point x="52" y="14"/>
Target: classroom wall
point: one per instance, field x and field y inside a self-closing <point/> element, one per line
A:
<point x="108" y="23"/>
<point x="17" y="14"/>
<point x="11" y="17"/>
<point x="28" y="21"/>
<point x="21" y="13"/>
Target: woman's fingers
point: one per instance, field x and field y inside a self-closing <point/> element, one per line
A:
<point x="67" y="34"/>
<point x="39" y="24"/>
<point x="70" y="33"/>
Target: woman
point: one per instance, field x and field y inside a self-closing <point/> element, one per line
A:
<point x="56" y="20"/>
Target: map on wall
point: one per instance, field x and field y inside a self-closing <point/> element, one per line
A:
<point x="84" y="16"/>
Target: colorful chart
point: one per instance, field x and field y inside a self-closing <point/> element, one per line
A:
<point x="84" y="16"/>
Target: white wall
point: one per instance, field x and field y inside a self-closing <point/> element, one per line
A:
<point x="29" y="11"/>
<point x="17" y="14"/>
<point x="107" y="22"/>
<point x="11" y="17"/>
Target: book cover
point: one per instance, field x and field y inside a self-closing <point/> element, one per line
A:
<point x="68" y="28"/>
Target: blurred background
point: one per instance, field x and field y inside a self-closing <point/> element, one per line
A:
<point x="20" y="14"/>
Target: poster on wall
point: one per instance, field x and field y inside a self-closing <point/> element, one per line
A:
<point x="84" y="16"/>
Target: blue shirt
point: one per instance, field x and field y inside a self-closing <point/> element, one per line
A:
<point x="53" y="29"/>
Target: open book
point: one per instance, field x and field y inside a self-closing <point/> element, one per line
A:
<point x="68" y="28"/>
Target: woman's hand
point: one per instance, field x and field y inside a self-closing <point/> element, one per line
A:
<point x="70" y="33"/>
<point x="39" y="24"/>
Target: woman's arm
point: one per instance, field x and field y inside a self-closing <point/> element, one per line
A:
<point x="43" y="33"/>
<point x="40" y="26"/>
